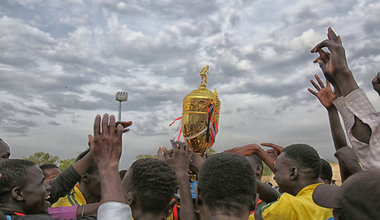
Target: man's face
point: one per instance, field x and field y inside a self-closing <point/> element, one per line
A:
<point x="5" y="151"/>
<point x="282" y="175"/>
<point x="35" y="192"/>
<point x="51" y="174"/>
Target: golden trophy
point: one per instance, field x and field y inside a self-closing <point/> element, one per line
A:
<point x="200" y="117"/>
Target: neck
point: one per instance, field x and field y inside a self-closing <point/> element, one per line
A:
<point x="11" y="207"/>
<point x="90" y="198"/>
<point x="302" y="183"/>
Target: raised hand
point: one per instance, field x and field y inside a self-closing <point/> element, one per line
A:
<point x="106" y="145"/>
<point x="179" y="158"/>
<point x="334" y="63"/>
<point x="106" y="142"/>
<point x="275" y="151"/>
<point x="324" y="94"/>
<point x="376" y="83"/>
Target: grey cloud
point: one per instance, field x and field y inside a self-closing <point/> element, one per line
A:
<point x="53" y="123"/>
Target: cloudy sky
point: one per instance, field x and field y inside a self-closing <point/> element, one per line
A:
<point x="61" y="63"/>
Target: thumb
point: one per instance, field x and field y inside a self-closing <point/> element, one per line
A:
<point x="91" y="142"/>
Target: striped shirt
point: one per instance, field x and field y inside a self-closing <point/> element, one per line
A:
<point x="75" y="197"/>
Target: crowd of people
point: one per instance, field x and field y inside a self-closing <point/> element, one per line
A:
<point x="229" y="184"/>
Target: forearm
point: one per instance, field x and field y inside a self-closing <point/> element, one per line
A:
<point x="82" y="165"/>
<point x="63" y="184"/>
<point x="263" y="155"/>
<point x="337" y="131"/>
<point x="346" y="82"/>
<point x="187" y="206"/>
<point x="110" y="184"/>
<point x="267" y="193"/>
<point x="89" y="209"/>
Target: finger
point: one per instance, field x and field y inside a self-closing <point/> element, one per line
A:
<point x="112" y="127"/>
<point x="175" y="147"/>
<point x="97" y="125"/>
<point x="339" y="41"/>
<point x="274" y="146"/>
<point x="319" y="81"/>
<point x="322" y="65"/>
<point x="312" y="92"/>
<point x="331" y="35"/>
<point x="91" y="142"/>
<point x="119" y="130"/>
<point x="326" y="43"/>
<point x="125" y="123"/>
<point x="328" y="84"/>
<point x="105" y="124"/>
<point x="166" y="154"/>
<point x="315" y="85"/>
<point x="125" y="130"/>
<point x="325" y="56"/>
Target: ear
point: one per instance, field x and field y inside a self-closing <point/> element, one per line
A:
<point x="17" y="194"/>
<point x="85" y="178"/>
<point x="294" y="173"/>
<point x="130" y="198"/>
<point x="259" y="170"/>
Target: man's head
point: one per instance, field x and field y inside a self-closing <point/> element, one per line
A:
<point x="256" y="165"/>
<point x="357" y="198"/>
<point x="22" y="187"/>
<point x="5" y="151"/>
<point x="296" y="167"/>
<point x="326" y="172"/>
<point x="90" y="182"/>
<point x="149" y="186"/>
<point x="50" y="171"/>
<point x="226" y="186"/>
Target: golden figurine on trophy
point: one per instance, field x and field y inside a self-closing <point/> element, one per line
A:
<point x="200" y="117"/>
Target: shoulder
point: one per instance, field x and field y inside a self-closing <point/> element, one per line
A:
<point x="282" y="207"/>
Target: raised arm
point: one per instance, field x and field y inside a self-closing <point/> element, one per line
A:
<point x="337" y="71"/>
<point x="251" y="149"/>
<point x="326" y="96"/>
<point x="179" y="161"/>
<point x="106" y="145"/>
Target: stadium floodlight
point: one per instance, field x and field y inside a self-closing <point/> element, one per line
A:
<point x="121" y="97"/>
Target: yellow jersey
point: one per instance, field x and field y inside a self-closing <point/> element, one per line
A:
<point x="292" y="207"/>
<point x="75" y="197"/>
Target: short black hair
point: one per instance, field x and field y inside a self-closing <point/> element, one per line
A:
<point x="326" y="171"/>
<point x="12" y="173"/>
<point x="226" y="183"/>
<point x="81" y="155"/>
<point x="306" y="157"/>
<point x="47" y="166"/>
<point x="122" y="173"/>
<point x="154" y="184"/>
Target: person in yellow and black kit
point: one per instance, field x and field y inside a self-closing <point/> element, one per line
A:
<point x="297" y="175"/>
<point x="86" y="191"/>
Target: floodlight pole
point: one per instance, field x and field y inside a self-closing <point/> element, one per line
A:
<point x="121" y="97"/>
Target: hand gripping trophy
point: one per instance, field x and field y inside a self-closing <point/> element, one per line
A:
<point x="200" y="116"/>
